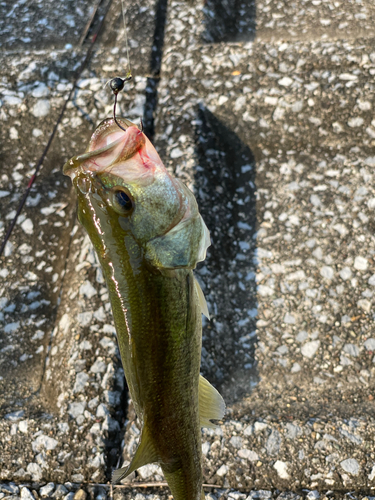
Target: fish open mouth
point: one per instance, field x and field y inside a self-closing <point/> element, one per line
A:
<point x="109" y="144"/>
<point x="108" y="132"/>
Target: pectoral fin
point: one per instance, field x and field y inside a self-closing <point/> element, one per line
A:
<point x="202" y="299"/>
<point x="211" y="404"/>
<point x="144" y="455"/>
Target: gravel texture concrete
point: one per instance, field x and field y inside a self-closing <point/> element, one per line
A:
<point x="265" y="110"/>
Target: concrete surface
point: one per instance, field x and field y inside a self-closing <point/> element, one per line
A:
<point x="266" y="111"/>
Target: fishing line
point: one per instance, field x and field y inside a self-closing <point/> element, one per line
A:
<point x="129" y="73"/>
<point x="41" y="160"/>
<point x="117" y="84"/>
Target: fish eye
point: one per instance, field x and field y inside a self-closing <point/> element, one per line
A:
<point x="121" y="201"/>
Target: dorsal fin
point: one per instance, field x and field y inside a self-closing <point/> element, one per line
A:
<point x="211" y="404"/>
<point x="201" y="298"/>
<point x="144" y="455"/>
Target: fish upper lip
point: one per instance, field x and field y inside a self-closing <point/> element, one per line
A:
<point x="105" y="128"/>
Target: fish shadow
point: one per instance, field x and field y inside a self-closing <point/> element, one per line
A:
<point x="229" y="21"/>
<point x="225" y="191"/>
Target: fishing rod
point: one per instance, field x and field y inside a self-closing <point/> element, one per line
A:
<point x="58" y="121"/>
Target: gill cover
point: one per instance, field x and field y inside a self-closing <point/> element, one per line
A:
<point x="183" y="245"/>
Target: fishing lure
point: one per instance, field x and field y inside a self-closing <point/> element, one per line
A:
<point x="117" y="85"/>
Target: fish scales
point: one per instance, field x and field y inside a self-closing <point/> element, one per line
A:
<point x="148" y="234"/>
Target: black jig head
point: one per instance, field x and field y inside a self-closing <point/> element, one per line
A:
<point x="117" y="84"/>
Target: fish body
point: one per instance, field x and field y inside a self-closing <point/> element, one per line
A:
<point x="148" y="234"/>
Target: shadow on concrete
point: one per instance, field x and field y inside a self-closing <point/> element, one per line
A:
<point x="155" y="67"/>
<point x="229" y="21"/>
<point x="225" y="191"/>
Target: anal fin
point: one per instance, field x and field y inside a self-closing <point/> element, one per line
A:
<point x="201" y="298"/>
<point x="144" y="455"/>
<point x="211" y="404"/>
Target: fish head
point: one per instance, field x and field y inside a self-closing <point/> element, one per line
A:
<point x="123" y="188"/>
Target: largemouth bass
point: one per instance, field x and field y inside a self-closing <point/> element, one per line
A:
<point x="149" y="236"/>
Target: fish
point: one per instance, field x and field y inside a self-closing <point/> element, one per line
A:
<point x="149" y="236"/>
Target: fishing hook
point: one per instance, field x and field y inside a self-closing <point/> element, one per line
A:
<point x="117" y="84"/>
